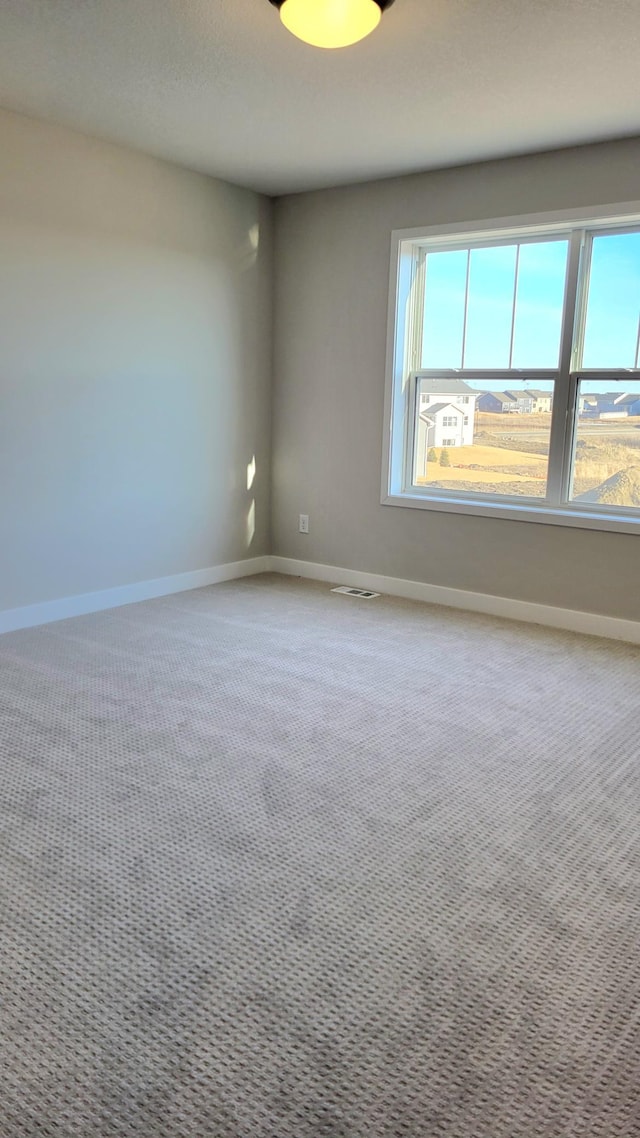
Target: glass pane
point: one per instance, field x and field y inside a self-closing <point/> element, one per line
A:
<point x="613" y="306"/>
<point x="473" y="436"/>
<point x="445" y="285"/>
<point x="542" y="270"/>
<point x="606" y="470"/>
<point x="490" y="307"/>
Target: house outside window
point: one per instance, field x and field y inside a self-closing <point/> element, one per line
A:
<point x="521" y="340"/>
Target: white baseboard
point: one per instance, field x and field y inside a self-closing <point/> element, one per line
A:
<point x="592" y="624"/>
<point x="48" y="611"/>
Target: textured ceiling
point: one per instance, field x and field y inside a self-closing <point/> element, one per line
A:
<point x="220" y="86"/>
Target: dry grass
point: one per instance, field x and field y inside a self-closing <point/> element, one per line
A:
<point x="481" y="455"/>
<point x="481" y="465"/>
<point x="498" y="465"/>
<point x="515" y="423"/>
<point x="598" y="460"/>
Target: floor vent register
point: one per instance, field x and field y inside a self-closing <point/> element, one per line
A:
<point x="365" y="593"/>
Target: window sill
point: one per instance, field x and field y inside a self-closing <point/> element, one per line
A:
<point x="518" y="512"/>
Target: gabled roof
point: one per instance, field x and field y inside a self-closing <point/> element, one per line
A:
<point x="519" y="394"/>
<point x="501" y="396"/>
<point x="446" y="387"/>
<point x="628" y="398"/>
<point x="434" y="408"/>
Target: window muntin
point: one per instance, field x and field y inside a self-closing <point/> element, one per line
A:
<point x="563" y="251"/>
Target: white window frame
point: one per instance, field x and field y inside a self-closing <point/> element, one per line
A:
<point x="403" y="367"/>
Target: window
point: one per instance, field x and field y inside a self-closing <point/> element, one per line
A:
<point x="535" y="329"/>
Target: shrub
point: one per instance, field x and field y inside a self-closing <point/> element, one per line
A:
<point x="444" y="458"/>
<point x="432" y="455"/>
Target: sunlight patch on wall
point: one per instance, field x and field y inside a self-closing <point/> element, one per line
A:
<point x="251" y="472"/>
<point x="251" y="522"/>
<point x="248" y="253"/>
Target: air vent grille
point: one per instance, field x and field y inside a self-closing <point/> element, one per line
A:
<point x="366" y="594"/>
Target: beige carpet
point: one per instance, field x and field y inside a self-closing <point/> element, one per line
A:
<point x="278" y="863"/>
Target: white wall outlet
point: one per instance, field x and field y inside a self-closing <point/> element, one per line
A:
<point x="303" y="523"/>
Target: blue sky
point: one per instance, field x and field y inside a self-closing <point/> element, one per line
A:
<point x="614" y="302"/>
<point x="612" y="312"/>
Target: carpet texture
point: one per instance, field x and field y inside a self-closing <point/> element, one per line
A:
<point x="277" y="863"/>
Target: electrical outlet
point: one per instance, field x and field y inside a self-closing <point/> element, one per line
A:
<point x="303" y="523"/>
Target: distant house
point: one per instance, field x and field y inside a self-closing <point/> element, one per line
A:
<point x="523" y="399"/>
<point x="498" y="403"/>
<point x="542" y="401"/>
<point x="611" y="405"/>
<point x="525" y="402"/>
<point x="446" y="417"/>
<point x="631" y="402"/>
<point x="444" y="425"/>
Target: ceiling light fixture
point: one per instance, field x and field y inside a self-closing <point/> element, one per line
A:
<point x="331" y="23"/>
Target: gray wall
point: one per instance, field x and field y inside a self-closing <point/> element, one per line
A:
<point x="332" y="278"/>
<point x="135" y="362"/>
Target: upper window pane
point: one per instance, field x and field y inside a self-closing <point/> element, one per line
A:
<point x="542" y="272"/>
<point x="495" y="307"/>
<point x="613" y="304"/>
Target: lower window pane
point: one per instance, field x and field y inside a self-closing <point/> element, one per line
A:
<point x="480" y="437"/>
<point x="606" y="470"/>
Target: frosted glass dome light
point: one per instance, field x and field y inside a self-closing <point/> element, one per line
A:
<point x="331" y="23"/>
